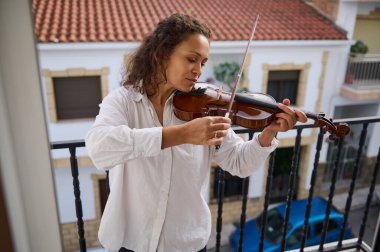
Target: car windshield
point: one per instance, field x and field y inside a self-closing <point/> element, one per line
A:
<point x="274" y="226"/>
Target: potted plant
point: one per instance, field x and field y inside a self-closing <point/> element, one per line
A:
<point x="359" y="48"/>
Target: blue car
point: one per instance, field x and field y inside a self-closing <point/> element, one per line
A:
<point x="275" y="219"/>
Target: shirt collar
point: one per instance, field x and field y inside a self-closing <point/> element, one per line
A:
<point x="133" y="94"/>
<point x="137" y="96"/>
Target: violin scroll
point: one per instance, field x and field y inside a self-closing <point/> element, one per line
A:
<point x="341" y="130"/>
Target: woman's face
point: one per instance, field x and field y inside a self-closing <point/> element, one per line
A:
<point x="186" y="62"/>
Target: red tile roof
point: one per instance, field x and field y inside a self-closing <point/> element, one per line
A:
<point x="129" y="20"/>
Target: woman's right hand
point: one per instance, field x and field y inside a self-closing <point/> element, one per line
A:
<point x="209" y="130"/>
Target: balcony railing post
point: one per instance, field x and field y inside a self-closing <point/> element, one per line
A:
<point x="331" y="195"/>
<point x="245" y="186"/>
<point x="293" y="174"/>
<point x="78" y="202"/>
<point x="219" y="220"/>
<point x="311" y="190"/>
<point x="266" y="201"/>
<point x="368" y="203"/>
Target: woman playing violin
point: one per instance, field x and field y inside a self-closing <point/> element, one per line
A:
<point x="159" y="165"/>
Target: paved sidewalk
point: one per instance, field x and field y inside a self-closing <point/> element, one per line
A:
<point x="359" y="198"/>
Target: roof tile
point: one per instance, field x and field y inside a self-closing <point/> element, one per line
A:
<point x="129" y="20"/>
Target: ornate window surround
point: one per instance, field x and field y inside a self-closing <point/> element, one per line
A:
<point x="304" y="72"/>
<point x="71" y="72"/>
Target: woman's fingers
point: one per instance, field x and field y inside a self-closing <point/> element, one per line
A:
<point x="215" y="141"/>
<point x="288" y="115"/>
<point x="286" y="102"/>
<point x="208" y="130"/>
<point x="301" y="116"/>
<point x="219" y="128"/>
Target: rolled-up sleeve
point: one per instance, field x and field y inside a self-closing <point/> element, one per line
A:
<point x="110" y="141"/>
<point x="241" y="158"/>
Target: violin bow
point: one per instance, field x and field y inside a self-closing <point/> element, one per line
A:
<point x="241" y="68"/>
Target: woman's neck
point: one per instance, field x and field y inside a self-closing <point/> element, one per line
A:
<point x="159" y="99"/>
<point x="162" y="95"/>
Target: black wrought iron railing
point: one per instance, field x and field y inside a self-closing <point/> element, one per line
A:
<point x="323" y="246"/>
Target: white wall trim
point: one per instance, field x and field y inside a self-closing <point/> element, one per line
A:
<point x="216" y="46"/>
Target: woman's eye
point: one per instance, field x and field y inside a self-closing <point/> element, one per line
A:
<point x="192" y="60"/>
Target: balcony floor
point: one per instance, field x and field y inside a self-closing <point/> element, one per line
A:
<point x="357" y="94"/>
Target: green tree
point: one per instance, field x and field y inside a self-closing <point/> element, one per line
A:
<point x="227" y="72"/>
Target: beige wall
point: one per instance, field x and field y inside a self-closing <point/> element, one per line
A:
<point x="368" y="31"/>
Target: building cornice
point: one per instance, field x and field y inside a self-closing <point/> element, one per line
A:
<point x="216" y="47"/>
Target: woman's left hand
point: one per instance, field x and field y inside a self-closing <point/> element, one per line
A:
<point x="288" y="118"/>
<point x="284" y="121"/>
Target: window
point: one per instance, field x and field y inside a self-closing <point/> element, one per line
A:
<point x="103" y="193"/>
<point x="77" y="97"/>
<point x="274" y="226"/>
<point x="283" y="84"/>
<point x="232" y="185"/>
<point x="75" y="93"/>
<point x="295" y="237"/>
<point x="333" y="225"/>
<point x="346" y="164"/>
<point x="281" y="175"/>
<point x="318" y="228"/>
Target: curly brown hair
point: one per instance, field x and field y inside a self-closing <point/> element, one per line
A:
<point x="145" y="69"/>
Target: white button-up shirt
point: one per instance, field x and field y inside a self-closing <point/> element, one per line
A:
<point x="158" y="196"/>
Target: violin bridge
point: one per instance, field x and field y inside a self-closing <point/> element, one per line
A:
<point x="219" y="93"/>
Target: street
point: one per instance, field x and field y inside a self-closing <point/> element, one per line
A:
<point x="354" y="219"/>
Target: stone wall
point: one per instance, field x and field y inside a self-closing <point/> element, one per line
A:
<point x="69" y="230"/>
<point x="70" y="235"/>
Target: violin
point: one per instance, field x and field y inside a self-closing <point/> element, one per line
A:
<point x="249" y="110"/>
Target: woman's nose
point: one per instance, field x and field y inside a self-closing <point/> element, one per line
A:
<point x="197" y="69"/>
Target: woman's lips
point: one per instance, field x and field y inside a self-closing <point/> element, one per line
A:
<point x="192" y="80"/>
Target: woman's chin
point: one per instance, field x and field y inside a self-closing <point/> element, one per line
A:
<point x="186" y="89"/>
